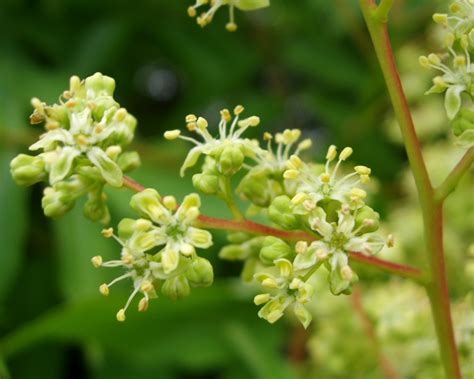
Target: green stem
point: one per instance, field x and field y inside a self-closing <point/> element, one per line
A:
<point x="383" y="9"/>
<point x="227" y="196"/>
<point x="450" y="183"/>
<point x="310" y="273"/>
<point x="437" y="286"/>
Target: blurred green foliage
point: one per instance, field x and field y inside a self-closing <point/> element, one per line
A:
<point x="307" y="65"/>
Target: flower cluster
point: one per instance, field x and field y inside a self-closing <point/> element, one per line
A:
<point x="159" y="249"/>
<point x="265" y="180"/>
<point x="225" y="155"/>
<point x="285" y="288"/>
<point x="81" y="150"/>
<point x="243" y="5"/>
<point x="457" y="73"/>
<point x="316" y="198"/>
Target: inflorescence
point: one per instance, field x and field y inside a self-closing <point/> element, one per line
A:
<point x="321" y="199"/>
<point x="82" y="148"/>
<point x="81" y="152"/>
<point x="159" y="249"/>
<point x="456" y="68"/>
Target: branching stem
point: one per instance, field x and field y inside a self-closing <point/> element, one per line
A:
<point x="450" y="183"/>
<point x="437" y="285"/>
<point x="293" y="236"/>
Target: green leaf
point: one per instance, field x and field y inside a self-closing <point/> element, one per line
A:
<point x="190" y="333"/>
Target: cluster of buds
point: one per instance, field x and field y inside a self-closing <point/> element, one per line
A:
<point x="159" y="249"/>
<point x="457" y="71"/>
<point x="206" y="17"/>
<point x="265" y="180"/>
<point x="81" y="150"/>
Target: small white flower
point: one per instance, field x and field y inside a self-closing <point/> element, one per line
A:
<point x="287" y="289"/>
<point x="160" y="247"/>
<point x="229" y="138"/>
<point x="319" y="183"/>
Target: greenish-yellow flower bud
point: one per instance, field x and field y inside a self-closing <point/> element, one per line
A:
<point x="129" y="161"/>
<point x="230" y="161"/>
<point x="367" y="220"/>
<point x="147" y="203"/>
<point x="27" y="170"/>
<point x="56" y="204"/>
<point x="206" y="183"/>
<point x="200" y="273"/>
<point x="273" y="248"/>
<point x="281" y="213"/>
<point x="176" y="287"/>
<point x="126" y="227"/>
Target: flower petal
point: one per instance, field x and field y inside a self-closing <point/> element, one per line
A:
<point x="198" y="237"/>
<point x="61" y="167"/>
<point x="302" y="314"/>
<point x="305" y="260"/>
<point x="49" y="138"/>
<point x="452" y="100"/>
<point x="191" y="159"/>
<point x="108" y="168"/>
<point x="169" y="259"/>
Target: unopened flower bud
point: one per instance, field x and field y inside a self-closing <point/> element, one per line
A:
<point x="129" y="161"/>
<point x="367" y="220"/>
<point x="281" y="213"/>
<point x="176" y="287"/>
<point x="27" y="170"/>
<point x="147" y="204"/>
<point x="200" y="273"/>
<point x="273" y="248"/>
<point x="206" y="183"/>
<point x="230" y="161"/>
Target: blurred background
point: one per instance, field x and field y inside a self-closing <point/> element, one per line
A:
<point x="306" y="64"/>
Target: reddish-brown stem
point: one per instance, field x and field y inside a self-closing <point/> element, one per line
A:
<point x="431" y="206"/>
<point x="385" y="364"/>
<point x="255" y="228"/>
<point x="132" y="184"/>
<point x="408" y="271"/>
